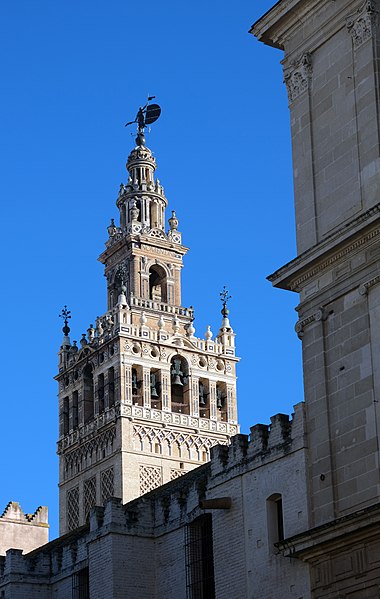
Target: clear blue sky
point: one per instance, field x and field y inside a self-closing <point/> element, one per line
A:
<point x="73" y="73"/>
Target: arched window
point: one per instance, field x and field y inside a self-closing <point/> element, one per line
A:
<point x="275" y="519"/>
<point x="100" y="393"/>
<point x="157" y="284"/>
<point x="179" y="378"/>
<point x="154" y="215"/>
<point x="111" y="386"/>
<point x="65" y="416"/>
<point x="75" y="409"/>
<point x="88" y="393"/>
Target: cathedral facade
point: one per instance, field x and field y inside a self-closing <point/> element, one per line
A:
<point x="291" y="510"/>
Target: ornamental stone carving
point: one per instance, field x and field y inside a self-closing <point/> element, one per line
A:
<point x="300" y="325"/>
<point x="297" y="77"/>
<point x="362" y="23"/>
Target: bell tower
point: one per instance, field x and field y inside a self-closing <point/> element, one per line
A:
<point x="142" y="400"/>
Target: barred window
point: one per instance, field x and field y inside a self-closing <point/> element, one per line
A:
<point x="200" y="582"/>
<point x="81" y="585"/>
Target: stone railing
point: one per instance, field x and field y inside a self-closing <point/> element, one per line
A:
<point x="149" y="304"/>
<point x="182" y="420"/>
<point x="88" y="429"/>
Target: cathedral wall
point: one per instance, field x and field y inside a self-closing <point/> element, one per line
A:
<point x="331" y="77"/>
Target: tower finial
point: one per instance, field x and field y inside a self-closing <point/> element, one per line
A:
<point x="66" y="315"/>
<point x="146" y="115"/>
<point x="224" y="297"/>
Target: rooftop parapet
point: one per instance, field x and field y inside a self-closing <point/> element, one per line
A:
<point x="264" y="443"/>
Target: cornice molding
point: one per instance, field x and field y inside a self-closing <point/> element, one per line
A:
<point x="311" y="262"/>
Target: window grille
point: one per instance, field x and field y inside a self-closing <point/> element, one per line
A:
<point x="200" y="583"/>
<point x="81" y="585"/>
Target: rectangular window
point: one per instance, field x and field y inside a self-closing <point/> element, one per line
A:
<point x="200" y="582"/>
<point x="81" y="585"/>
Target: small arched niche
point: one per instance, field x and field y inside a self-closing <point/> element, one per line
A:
<point x="157" y="284"/>
<point x="180" y="388"/>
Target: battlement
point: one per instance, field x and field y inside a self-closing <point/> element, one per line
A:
<point x="21" y="531"/>
<point x="264" y="444"/>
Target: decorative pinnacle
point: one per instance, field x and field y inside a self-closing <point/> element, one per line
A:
<point x="224" y="297"/>
<point x="66" y="315"/>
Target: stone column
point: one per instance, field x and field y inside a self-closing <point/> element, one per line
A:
<point x="146" y="387"/>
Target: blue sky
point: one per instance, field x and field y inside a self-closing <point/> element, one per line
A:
<point x="73" y="73"/>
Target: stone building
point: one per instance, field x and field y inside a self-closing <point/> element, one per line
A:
<point x="142" y="400"/>
<point x="23" y="531"/>
<point x="292" y="510"/>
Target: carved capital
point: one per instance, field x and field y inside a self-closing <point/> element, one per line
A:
<point x="364" y="287"/>
<point x="297" y="76"/>
<point x="362" y="23"/>
<point x="300" y="325"/>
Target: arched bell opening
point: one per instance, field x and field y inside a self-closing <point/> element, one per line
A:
<point x="155" y="389"/>
<point x="204" y="398"/>
<point x="137" y="386"/>
<point x="180" y="388"/>
<point x="115" y="289"/>
<point x="157" y="284"/>
<point x="221" y="401"/>
<point x="88" y="393"/>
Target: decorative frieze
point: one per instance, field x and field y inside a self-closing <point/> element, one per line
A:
<point x="361" y="24"/>
<point x="171" y="418"/>
<point x="178" y="443"/>
<point x="297" y="76"/>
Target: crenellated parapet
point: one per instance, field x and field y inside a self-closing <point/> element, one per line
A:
<point x="22" y="531"/>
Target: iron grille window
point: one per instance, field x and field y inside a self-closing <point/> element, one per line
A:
<point x="200" y="582"/>
<point x="81" y="585"/>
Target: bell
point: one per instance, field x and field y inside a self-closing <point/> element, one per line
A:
<point x="134" y="384"/>
<point x="153" y="393"/>
<point x="202" y="401"/>
<point x="177" y="381"/>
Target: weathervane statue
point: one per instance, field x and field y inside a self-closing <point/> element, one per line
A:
<point x="146" y="115"/>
